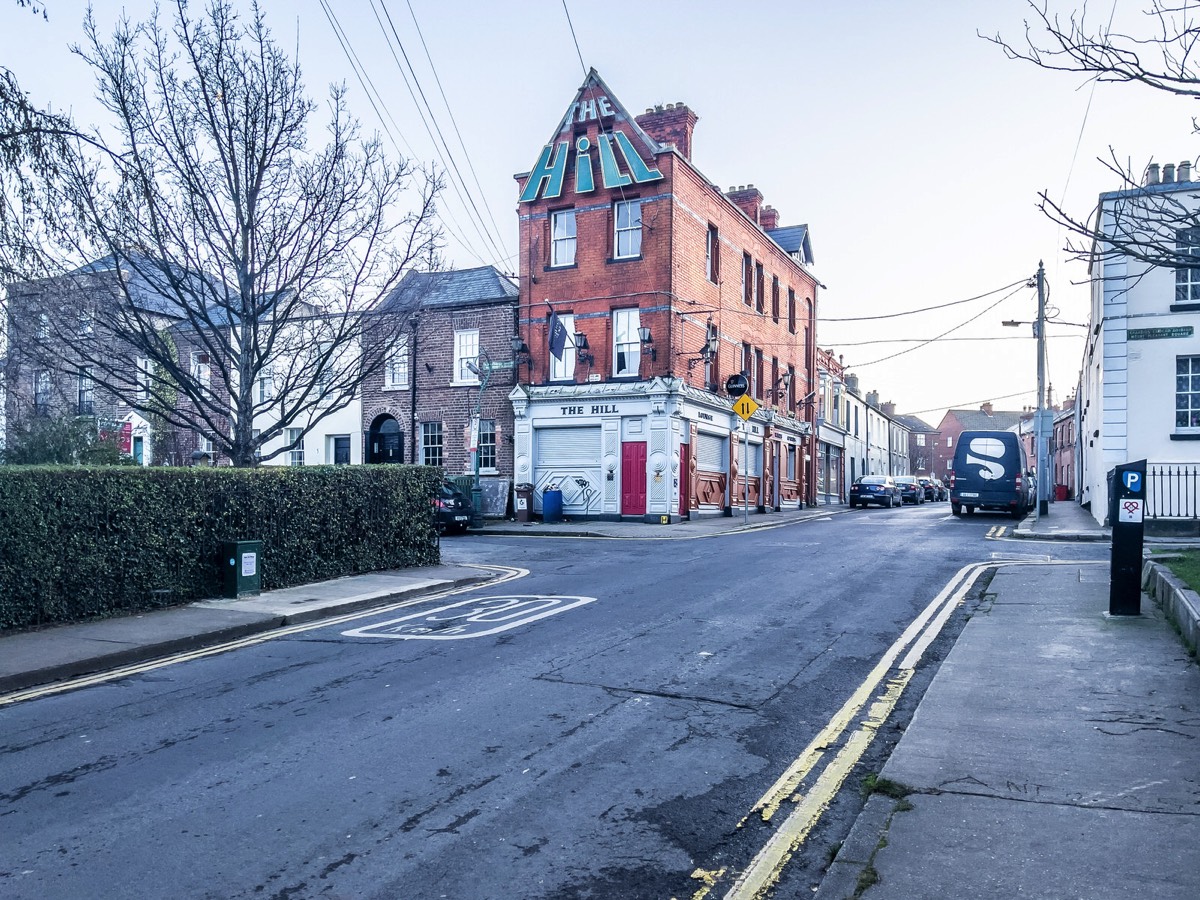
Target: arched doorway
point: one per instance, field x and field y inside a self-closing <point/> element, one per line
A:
<point x="385" y="441"/>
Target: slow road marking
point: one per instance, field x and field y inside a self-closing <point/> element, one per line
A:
<point x="507" y="573"/>
<point x="470" y="618"/>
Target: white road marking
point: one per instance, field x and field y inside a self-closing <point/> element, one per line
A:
<point x="473" y="618"/>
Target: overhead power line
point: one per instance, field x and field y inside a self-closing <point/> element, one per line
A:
<point x="431" y="126"/>
<point x="967" y="404"/>
<point x="944" y="333"/>
<point x="913" y="312"/>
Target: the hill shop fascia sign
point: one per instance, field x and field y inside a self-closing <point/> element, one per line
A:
<point x="550" y="171"/>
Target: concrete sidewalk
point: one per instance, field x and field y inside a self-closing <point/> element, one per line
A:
<point x="1055" y="754"/>
<point x="1065" y="520"/>
<point x="31" y="658"/>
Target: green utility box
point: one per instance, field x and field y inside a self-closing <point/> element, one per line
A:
<point x="241" y="568"/>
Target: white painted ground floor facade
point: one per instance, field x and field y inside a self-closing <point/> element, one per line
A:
<point x="654" y="451"/>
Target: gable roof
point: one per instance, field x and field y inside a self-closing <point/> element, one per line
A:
<point x="978" y="420"/>
<point x="458" y="287"/>
<point x="912" y="423"/>
<point x="153" y="285"/>
<point x="794" y="240"/>
<point x="593" y="80"/>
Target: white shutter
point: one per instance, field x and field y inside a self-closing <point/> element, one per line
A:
<point x="568" y="446"/>
<point x="712" y="452"/>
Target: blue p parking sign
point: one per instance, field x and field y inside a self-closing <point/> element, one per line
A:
<point x="1132" y="480"/>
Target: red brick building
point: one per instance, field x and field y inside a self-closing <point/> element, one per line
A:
<point x="662" y="287"/>
<point x="956" y="421"/>
<point x="452" y="367"/>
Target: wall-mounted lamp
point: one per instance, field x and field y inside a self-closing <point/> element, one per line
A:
<point x="647" y="340"/>
<point x="582" y="348"/>
<point x="521" y="351"/>
<point x="708" y="352"/>
<point x="782" y="386"/>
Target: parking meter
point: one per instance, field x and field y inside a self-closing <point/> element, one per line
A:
<point x="1128" y="529"/>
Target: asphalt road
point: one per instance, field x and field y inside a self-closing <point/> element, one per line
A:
<point x="605" y="725"/>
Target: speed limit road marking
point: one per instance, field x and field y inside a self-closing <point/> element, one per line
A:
<point x="474" y="618"/>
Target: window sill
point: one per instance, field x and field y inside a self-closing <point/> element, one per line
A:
<point x="560" y="268"/>
<point x="1185" y="436"/>
<point x="394" y="387"/>
<point x="464" y="384"/>
<point x="1185" y="307"/>
<point x="623" y="259"/>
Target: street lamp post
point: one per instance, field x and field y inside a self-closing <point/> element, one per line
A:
<point x="1043" y="441"/>
<point x="484" y="371"/>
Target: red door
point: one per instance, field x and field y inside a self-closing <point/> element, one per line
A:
<point x="633" y="478"/>
<point x="685" y="479"/>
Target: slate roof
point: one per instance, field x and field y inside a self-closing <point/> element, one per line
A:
<point x="794" y="239"/>
<point x="459" y="287"/>
<point x="978" y="420"/>
<point x="148" y="281"/>
<point x="914" y="424"/>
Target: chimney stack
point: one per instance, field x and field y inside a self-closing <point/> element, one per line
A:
<point x="672" y="124"/>
<point x="1168" y="173"/>
<point x="1184" y="172"/>
<point x="987" y="407"/>
<point x="1151" y="174"/>
<point x="888" y="409"/>
<point x="749" y="199"/>
<point x="768" y="218"/>
<point x="873" y="399"/>
<point x="852" y="384"/>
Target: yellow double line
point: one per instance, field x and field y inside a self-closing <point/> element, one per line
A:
<point x="996" y="532"/>
<point x="882" y="688"/>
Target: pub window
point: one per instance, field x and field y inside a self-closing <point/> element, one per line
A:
<point x="775" y="297"/>
<point x="792" y="310"/>
<point x="712" y="255"/>
<point x="759" y="285"/>
<point x="747" y="280"/>
<point x="627" y="348"/>
<point x="627" y="241"/>
<point x="562" y="238"/>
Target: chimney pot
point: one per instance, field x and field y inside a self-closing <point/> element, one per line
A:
<point x="1152" y="174"/>
<point x="1184" y="172"/>
<point x="1168" y="173"/>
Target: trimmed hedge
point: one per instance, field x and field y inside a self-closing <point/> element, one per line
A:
<point x="85" y="542"/>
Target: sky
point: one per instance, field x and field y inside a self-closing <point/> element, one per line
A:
<point x="912" y="148"/>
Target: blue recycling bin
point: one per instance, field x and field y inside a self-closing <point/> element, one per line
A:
<point x="552" y="505"/>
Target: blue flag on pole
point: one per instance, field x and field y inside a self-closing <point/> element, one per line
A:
<point x="558" y="336"/>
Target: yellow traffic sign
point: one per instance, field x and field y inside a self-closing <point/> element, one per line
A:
<point x="745" y="407"/>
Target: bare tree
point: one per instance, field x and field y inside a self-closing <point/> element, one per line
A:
<point x="1140" y="220"/>
<point x="237" y="266"/>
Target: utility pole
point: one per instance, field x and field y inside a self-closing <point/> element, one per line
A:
<point x="1043" y="505"/>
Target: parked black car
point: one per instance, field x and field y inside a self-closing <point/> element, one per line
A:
<point x="451" y="509"/>
<point x="930" y="487"/>
<point x="911" y="490"/>
<point x="879" y="489"/>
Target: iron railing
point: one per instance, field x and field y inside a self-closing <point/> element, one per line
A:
<point x="1173" y="490"/>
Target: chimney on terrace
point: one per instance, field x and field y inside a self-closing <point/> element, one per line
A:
<point x="671" y="124"/>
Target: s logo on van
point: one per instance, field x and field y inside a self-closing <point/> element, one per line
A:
<point x="991" y="454"/>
